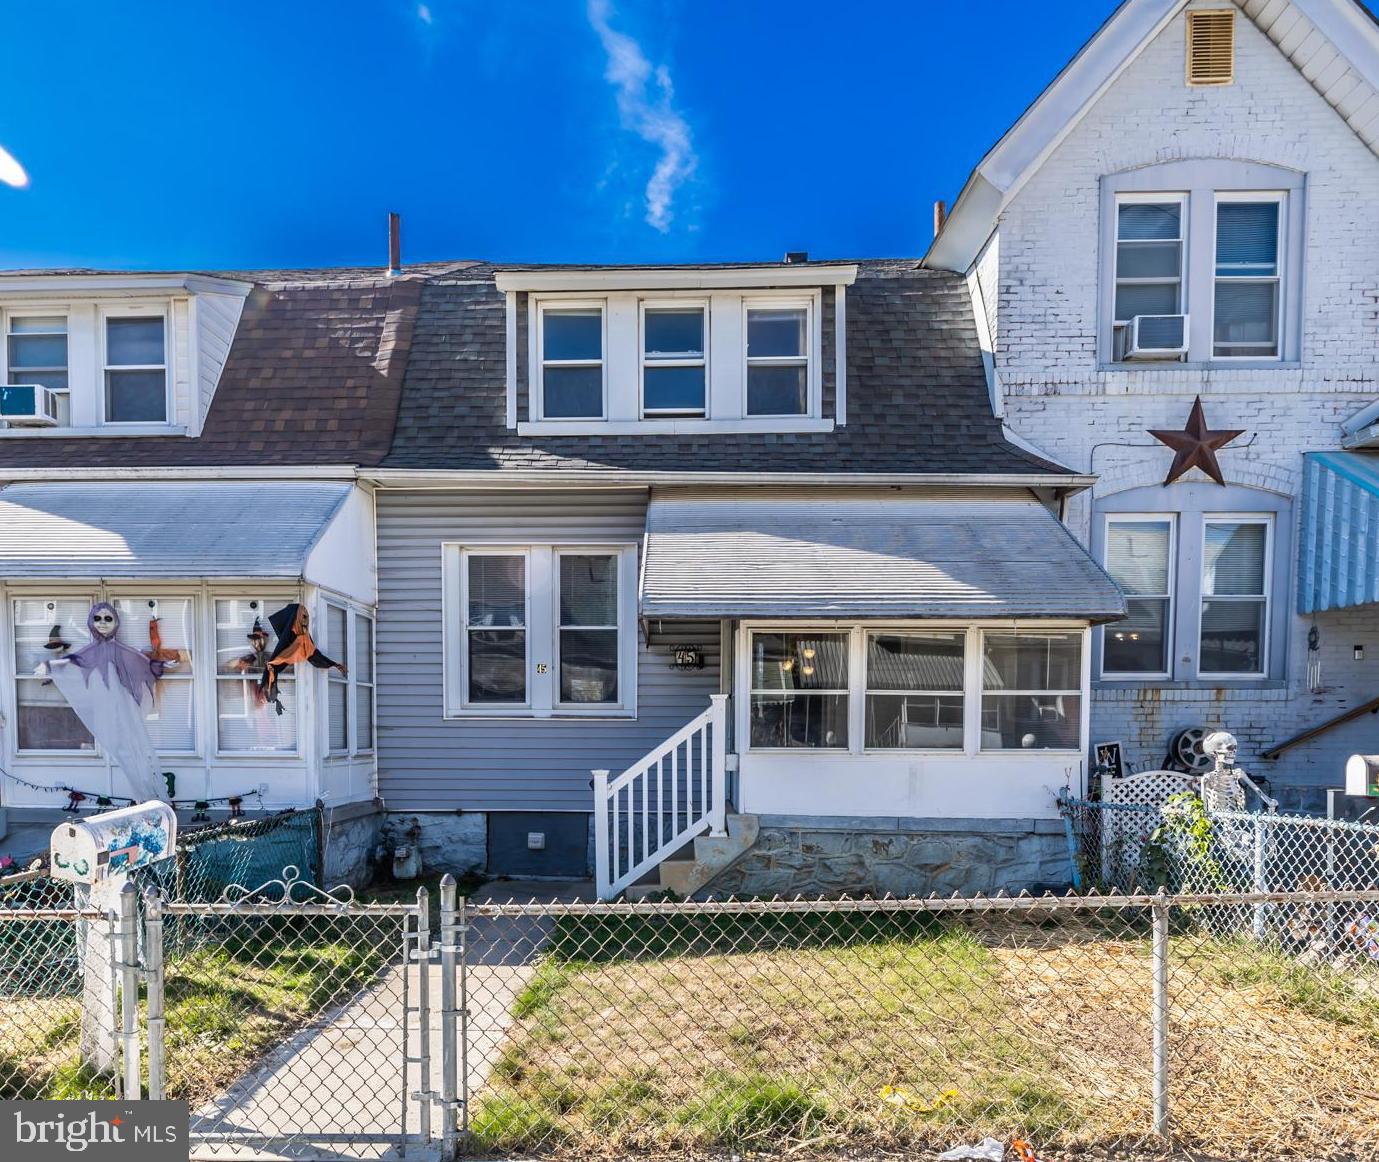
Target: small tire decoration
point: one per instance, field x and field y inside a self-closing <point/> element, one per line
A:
<point x="1185" y="751"/>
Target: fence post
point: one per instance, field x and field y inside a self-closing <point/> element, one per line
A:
<point x="462" y="930"/>
<point x="424" y="1093"/>
<point x="1160" y="1013"/>
<point x="1260" y="876"/>
<point x="602" y="878"/>
<point x="448" y="1064"/>
<point x="153" y="954"/>
<point x="129" y="989"/>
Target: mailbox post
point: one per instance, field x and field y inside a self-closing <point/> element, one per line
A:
<point x="97" y="854"/>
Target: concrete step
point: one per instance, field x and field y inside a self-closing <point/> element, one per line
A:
<point x="712" y="853"/>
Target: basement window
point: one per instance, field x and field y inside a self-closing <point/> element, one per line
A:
<point x="1211" y="47"/>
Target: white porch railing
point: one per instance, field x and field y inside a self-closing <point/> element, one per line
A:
<point x="662" y="801"/>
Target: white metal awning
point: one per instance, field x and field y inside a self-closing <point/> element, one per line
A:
<point x="945" y="554"/>
<point x="147" y="530"/>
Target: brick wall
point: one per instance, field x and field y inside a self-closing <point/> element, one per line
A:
<point x="1095" y="420"/>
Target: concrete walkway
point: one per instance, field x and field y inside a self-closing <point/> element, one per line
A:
<point x="335" y="1090"/>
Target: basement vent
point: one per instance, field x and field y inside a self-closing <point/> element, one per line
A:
<point x="1211" y="47"/>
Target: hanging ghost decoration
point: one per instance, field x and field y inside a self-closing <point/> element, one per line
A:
<point x="292" y="624"/>
<point x="109" y="686"/>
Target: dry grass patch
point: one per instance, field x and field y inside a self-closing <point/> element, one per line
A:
<point x="738" y="1034"/>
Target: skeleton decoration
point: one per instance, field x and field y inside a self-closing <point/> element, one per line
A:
<point x="1222" y="789"/>
<point x="110" y="686"/>
<point x="292" y="624"/>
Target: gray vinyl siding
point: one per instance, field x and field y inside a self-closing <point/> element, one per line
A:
<point x="427" y="762"/>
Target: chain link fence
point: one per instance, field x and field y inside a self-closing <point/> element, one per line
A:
<point x="1094" y="1027"/>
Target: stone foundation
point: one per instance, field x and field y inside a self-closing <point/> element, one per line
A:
<point x="352" y="833"/>
<point x="902" y="857"/>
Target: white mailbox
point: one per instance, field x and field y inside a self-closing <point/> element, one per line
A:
<point x="1362" y="775"/>
<point x="91" y="850"/>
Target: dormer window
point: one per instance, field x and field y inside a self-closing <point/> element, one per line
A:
<point x="136" y="372"/>
<point x="36" y="353"/>
<point x="572" y="362"/>
<point x="674" y="360"/>
<point x="778" y="360"/>
<point x="677" y="350"/>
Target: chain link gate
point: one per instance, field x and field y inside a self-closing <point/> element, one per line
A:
<point x="322" y="1013"/>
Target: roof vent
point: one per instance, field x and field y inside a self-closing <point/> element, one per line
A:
<point x="1211" y="47"/>
<point x="795" y="257"/>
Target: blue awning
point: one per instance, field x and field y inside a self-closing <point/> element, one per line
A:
<point x="1338" y="563"/>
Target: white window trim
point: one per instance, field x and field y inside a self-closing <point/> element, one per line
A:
<point x="1171" y="618"/>
<point x="537" y="376"/>
<point x="1267" y="520"/>
<point x="1280" y="280"/>
<point x="6" y="333"/>
<point x="813" y="353"/>
<point x="136" y="310"/>
<point x="542" y="629"/>
<point x="644" y="360"/>
<point x="972" y="693"/>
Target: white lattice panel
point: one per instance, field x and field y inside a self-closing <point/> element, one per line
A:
<point x="1123" y="832"/>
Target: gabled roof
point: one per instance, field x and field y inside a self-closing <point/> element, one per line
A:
<point x="312" y="378"/>
<point x="917" y="400"/>
<point x="1333" y="43"/>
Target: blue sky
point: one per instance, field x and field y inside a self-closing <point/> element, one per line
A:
<point x="233" y="135"/>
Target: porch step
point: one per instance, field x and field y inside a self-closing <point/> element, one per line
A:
<point x="711" y="854"/>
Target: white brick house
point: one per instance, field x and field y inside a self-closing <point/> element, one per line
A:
<point x="1289" y="139"/>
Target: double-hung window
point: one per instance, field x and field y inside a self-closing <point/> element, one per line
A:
<point x="244" y="638"/>
<point x="541" y="630"/>
<point x="1199" y="586"/>
<point x="1031" y="690"/>
<point x="915" y="690"/>
<point x="572" y="366"/>
<point x="674" y="360"/>
<point x="136" y="372"/>
<point x="1140" y="556"/>
<point x="36" y="353"/>
<point x="349" y="696"/>
<point x="1245" y="310"/>
<point x="778" y="360"/>
<point x="171" y="720"/>
<point x="799" y="694"/>
<point x="44" y="721"/>
<point x="1149" y="257"/>
<point x="1235" y="596"/>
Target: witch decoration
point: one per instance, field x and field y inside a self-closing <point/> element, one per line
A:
<point x="292" y="625"/>
<point x="110" y="687"/>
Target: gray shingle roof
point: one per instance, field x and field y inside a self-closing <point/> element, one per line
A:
<point x="916" y="393"/>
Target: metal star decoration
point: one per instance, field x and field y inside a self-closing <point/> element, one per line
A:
<point x="1195" y="446"/>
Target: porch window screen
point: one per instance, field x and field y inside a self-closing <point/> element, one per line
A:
<point x="171" y="724"/>
<point x="244" y="725"/>
<point x="1139" y="556"/>
<point x="1247" y="280"/>
<point x="496" y="628"/>
<point x="1234" y="596"/>
<point x="915" y="691"/>
<point x="44" y="721"/>
<point x="799" y="695"/>
<point x="1031" y="690"/>
<point x="588" y="628"/>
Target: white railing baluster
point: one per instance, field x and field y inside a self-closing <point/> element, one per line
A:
<point x="618" y="861"/>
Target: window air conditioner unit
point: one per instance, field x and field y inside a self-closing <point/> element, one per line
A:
<point x="29" y="405"/>
<point x="1152" y="337"/>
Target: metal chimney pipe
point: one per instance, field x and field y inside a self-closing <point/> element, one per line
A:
<point x="394" y="245"/>
<point x="940" y="216"/>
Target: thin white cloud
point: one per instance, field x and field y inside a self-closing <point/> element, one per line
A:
<point x="11" y="172"/>
<point x="646" y="105"/>
<point x="424" y="14"/>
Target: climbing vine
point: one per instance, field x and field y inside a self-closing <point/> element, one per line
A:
<point x="1182" y="843"/>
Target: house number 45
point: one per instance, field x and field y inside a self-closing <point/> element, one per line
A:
<point x="541" y="667"/>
